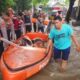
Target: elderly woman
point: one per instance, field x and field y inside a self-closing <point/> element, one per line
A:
<point x="3" y="33"/>
<point x="9" y="26"/>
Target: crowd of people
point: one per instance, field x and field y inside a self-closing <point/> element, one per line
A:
<point x="14" y="24"/>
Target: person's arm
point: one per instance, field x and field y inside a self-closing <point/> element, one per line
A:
<point x="51" y="37"/>
<point x="4" y="33"/>
<point x="49" y="44"/>
<point x="23" y="29"/>
<point x="74" y="39"/>
<point x="13" y="31"/>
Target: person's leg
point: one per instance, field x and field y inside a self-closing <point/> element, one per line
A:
<point x="18" y="33"/>
<point x="8" y="33"/>
<point x="26" y="28"/>
<point x="38" y="29"/>
<point x="57" y="55"/>
<point x="29" y="28"/>
<point x="42" y="29"/>
<point x="34" y="27"/>
<point x="1" y="48"/>
<point x="65" y="56"/>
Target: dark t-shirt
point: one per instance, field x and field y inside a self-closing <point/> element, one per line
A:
<point x="27" y="19"/>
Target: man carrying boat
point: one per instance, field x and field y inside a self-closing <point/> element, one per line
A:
<point x="61" y="36"/>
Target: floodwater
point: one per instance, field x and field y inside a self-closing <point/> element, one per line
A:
<point x="50" y="72"/>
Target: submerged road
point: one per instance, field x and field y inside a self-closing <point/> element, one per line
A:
<point x="50" y="72"/>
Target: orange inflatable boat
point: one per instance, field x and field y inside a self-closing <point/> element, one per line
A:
<point x="23" y="61"/>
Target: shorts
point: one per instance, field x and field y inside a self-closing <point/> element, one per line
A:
<point x="61" y="54"/>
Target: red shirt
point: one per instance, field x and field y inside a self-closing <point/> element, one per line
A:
<point x="16" y="24"/>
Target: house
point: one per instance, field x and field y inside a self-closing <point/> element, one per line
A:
<point x="53" y="2"/>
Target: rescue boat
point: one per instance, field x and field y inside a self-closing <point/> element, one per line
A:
<point x="28" y="58"/>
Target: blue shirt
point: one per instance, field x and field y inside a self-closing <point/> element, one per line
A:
<point x="62" y="38"/>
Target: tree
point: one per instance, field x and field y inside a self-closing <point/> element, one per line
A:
<point x="44" y="2"/>
<point x="78" y="12"/>
<point x="10" y="3"/>
<point x="37" y="2"/>
<point x="4" y="4"/>
<point x="66" y="2"/>
<point x="71" y="3"/>
<point x="23" y="4"/>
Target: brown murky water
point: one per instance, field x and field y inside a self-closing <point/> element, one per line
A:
<point x="50" y="72"/>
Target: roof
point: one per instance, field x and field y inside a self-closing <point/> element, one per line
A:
<point x="76" y="3"/>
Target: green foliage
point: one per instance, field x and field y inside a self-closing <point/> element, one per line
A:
<point x="35" y="2"/>
<point x="23" y="4"/>
<point x="43" y="2"/>
<point x="10" y="2"/>
<point x="4" y="4"/>
<point x="20" y="4"/>
<point x="27" y="4"/>
<point x="67" y="2"/>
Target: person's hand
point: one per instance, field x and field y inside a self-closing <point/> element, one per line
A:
<point x="78" y="48"/>
<point x="47" y="49"/>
